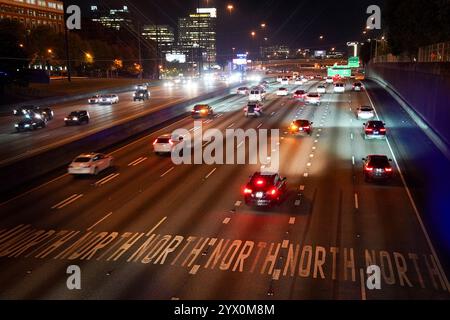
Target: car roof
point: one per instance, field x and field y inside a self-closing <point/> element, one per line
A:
<point x="377" y="156"/>
<point x="88" y="155"/>
<point x="166" y="135"/>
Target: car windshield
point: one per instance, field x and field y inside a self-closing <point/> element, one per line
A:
<point x="366" y="109"/>
<point x="162" y="140"/>
<point x="301" y="123"/>
<point x="313" y="95"/>
<point x="262" y="181"/>
<point x="200" y="107"/>
<point x="82" y="159"/>
<point x="376" y="124"/>
<point x="379" y="161"/>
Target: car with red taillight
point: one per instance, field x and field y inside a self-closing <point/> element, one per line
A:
<point x="299" y="94"/>
<point x="301" y="126"/>
<point x="265" y="189"/>
<point x="166" y="143"/>
<point x="377" y="167"/>
<point x="202" y="110"/>
<point x="374" y="129"/>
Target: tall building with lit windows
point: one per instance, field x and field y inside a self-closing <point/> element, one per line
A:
<point x="32" y="13"/>
<point x="198" y="30"/>
<point x="112" y="17"/>
<point x="163" y="35"/>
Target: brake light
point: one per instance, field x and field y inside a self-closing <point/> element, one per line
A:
<point x="382" y="130"/>
<point x="369" y="130"/>
<point x="307" y="127"/>
<point x="369" y="168"/>
<point x="272" y="192"/>
<point x="154" y="142"/>
<point x="247" y="191"/>
<point x="260" y="182"/>
<point x="388" y="169"/>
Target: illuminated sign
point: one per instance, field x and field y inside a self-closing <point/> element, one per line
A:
<point x="240" y="61"/>
<point x="212" y="11"/>
<point x="171" y="57"/>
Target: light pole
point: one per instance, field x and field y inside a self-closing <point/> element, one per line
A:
<point x="230" y="8"/>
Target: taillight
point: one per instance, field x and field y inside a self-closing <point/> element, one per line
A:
<point x="382" y="130"/>
<point x="154" y="142"/>
<point x="272" y="192"/>
<point x="388" y="169"/>
<point x="247" y="191"/>
<point x="369" y="130"/>
<point x="307" y="127"/>
<point x="369" y="168"/>
<point x="260" y="182"/>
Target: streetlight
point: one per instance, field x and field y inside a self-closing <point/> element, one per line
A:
<point x="49" y="50"/>
<point x="263" y="25"/>
<point x="21" y="45"/>
<point x="230" y="7"/>
<point x="253" y="34"/>
<point x="321" y="37"/>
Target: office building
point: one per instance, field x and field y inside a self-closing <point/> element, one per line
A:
<point x="163" y="35"/>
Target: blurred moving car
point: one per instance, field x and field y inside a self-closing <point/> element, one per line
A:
<point x="377" y="167"/>
<point x="313" y="98"/>
<point x="202" y="110"/>
<point x="30" y="124"/>
<point x="299" y="94"/>
<point x="90" y="163"/>
<point x="254" y="109"/>
<point x="282" y="92"/>
<point x="365" y="113"/>
<point x="166" y="143"/>
<point x="321" y="89"/>
<point x="141" y="94"/>
<point x="374" y="129"/>
<point x="94" y="99"/>
<point x="77" y="117"/>
<point x="357" y="86"/>
<point x="339" y="87"/>
<point x="265" y="189"/>
<point x="243" y="91"/>
<point x="301" y="126"/>
<point x="108" y="99"/>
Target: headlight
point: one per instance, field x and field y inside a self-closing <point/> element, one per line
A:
<point x="16" y="125"/>
<point x="75" y="118"/>
<point x="65" y="119"/>
<point x="27" y="125"/>
<point x="38" y="116"/>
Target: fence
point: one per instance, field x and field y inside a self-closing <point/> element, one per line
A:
<point x="438" y="52"/>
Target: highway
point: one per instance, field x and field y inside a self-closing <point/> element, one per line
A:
<point x="149" y="229"/>
<point x="16" y="145"/>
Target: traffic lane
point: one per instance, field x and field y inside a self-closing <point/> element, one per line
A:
<point x="425" y="168"/>
<point x="43" y="199"/>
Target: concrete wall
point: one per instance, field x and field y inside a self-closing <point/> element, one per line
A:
<point x="425" y="87"/>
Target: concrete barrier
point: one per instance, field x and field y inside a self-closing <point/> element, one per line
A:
<point x="18" y="173"/>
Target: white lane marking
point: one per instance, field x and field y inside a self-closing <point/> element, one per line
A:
<point x="314" y="148"/>
<point x="166" y="172"/>
<point x="156" y="226"/>
<point x="231" y="125"/>
<point x="353" y="160"/>
<point x="276" y="274"/>
<point x="107" y="179"/>
<point x="194" y="269"/>
<point x="308" y="164"/>
<point x="259" y="125"/>
<point x="210" y="173"/>
<point x="317" y="135"/>
<point x="99" y="221"/>
<point x="320" y="129"/>
<point x="356" y="201"/>
<point x="291" y="220"/>
<point x="305" y="174"/>
<point x="413" y="204"/>
<point x="285" y="244"/>
<point x="302" y="187"/>
<point x="237" y="203"/>
<point x="351" y="136"/>
<point x="363" y="284"/>
<point x="240" y="144"/>
<point x="297" y="203"/>
<point x="137" y="161"/>
<point x="134" y="161"/>
<point x="67" y="201"/>
<point x="226" y="220"/>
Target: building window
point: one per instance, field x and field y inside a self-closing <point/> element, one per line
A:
<point x="42" y="3"/>
<point x="51" y="5"/>
<point x="60" y="6"/>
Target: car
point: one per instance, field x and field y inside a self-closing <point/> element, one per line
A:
<point x="304" y="80"/>
<point x="311" y="77"/>
<point x="365" y="113"/>
<point x="301" y="126"/>
<point x="30" y="124"/>
<point x="90" y="163"/>
<point x="313" y="98"/>
<point x="242" y="91"/>
<point x="329" y="80"/>
<point x="202" y="110"/>
<point x="41" y="113"/>
<point x="77" y="117"/>
<point x="318" y="77"/>
<point x="285" y="80"/>
<point x="108" y="99"/>
<point x="254" y="109"/>
<point x="321" y="89"/>
<point x="265" y="189"/>
<point x="357" y="86"/>
<point x="257" y="94"/>
<point x="166" y="143"/>
<point x="339" y="87"/>
<point x="141" y="94"/>
<point x="299" y="94"/>
<point x="377" y="167"/>
<point x="23" y="110"/>
<point x="298" y="81"/>
<point x="94" y="99"/>
<point x="279" y="78"/>
<point x="374" y="129"/>
<point x="282" y="92"/>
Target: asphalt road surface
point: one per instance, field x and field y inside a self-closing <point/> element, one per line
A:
<point x="149" y="229"/>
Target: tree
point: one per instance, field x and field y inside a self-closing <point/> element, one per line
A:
<point x="13" y="45"/>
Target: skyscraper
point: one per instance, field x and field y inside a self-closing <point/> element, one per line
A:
<point x="114" y="18"/>
<point x="163" y="35"/>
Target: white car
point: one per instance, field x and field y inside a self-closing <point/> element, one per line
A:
<point x="90" y="163"/>
<point x="285" y="81"/>
<point x="108" y="99"/>
<point x="257" y="94"/>
<point x="298" y="81"/>
<point x="166" y="143"/>
<point x="365" y="113"/>
<point x="313" y="98"/>
<point x="94" y="99"/>
<point x="242" y="91"/>
<point x="329" y="80"/>
<point x="279" y="79"/>
<point x="282" y="92"/>
<point x="357" y="86"/>
<point x="321" y="89"/>
<point x="339" y="87"/>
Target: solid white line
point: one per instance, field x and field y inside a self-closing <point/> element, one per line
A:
<point x="413" y="204"/>
<point x="363" y="285"/>
<point x="353" y="160"/>
<point x="104" y="178"/>
<point x="212" y="171"/>
<point x="156" y="226"/>
<point x="132" y="162"/>
<point x="291" y="220"/>
<point x="65" y="200"/>
<point x="226" y="220"/>
<point x="237" y="203"/>
<point x="166" y="172"/>
<point x="99" y="221"/>
<point x="356" y="201"/>
<point x="69" y="202"/>
<point x="194" y="269"/>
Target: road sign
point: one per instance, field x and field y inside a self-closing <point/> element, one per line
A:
<point x="353" y="62"/>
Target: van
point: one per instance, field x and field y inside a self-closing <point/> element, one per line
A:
<point x="257" y="94"/>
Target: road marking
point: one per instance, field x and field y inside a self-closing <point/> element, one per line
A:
<point x="194" y="269"/>
<point x="356" y="201"/>
<point x="226" y="220"/>
<point x="302" y="187"/>
<point x="291" y="220"/>
<point x="106" y="179"/>
<point x="314" y="148"/>
<point x="212" y="171"/>
<point x="276" y="274"/>
<point x="259" y="126"/>
<point x="353" y="160"/>
<point x="237" y="203"/>
<point x="320" y="129"/>
<point x="156" y="226"/>
<point x="297" y="203"/>
<point x="351" y="135"/>
<point x="308" y="164"/>
<point x="311" y="155"/>
<point x="67" y="201"/>
<point x="363" y="284"/>
<point x="166" y="172"/>
<point x="138" y="161"/>
<point x="231" y="125"/>
<point x="134" y="161"/>
<point x="413" y="204"/>
<point x="305" y="174"/>
<point x="99" y="221"/>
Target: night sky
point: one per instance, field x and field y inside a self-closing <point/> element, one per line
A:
<point x="296" y="23"/>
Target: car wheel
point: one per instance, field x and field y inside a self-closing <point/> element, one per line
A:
<point x="95" y="171"/>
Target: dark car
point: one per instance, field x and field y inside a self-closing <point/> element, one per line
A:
<point x="301" y="126"/>
<point x="43" y="113"/>
<point x="265" y="189"/>
<point x="141" y="94"/>
<point x="377" y="167"/>
<point x="202" y="110"/>
<point x="23" y="110"/>
<point x="299" y="94"/>
<point x="254" y="109"/>
<point x="77" y="117"/>
<point x="374" y="129"/>
<point x="30" y="124"/>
